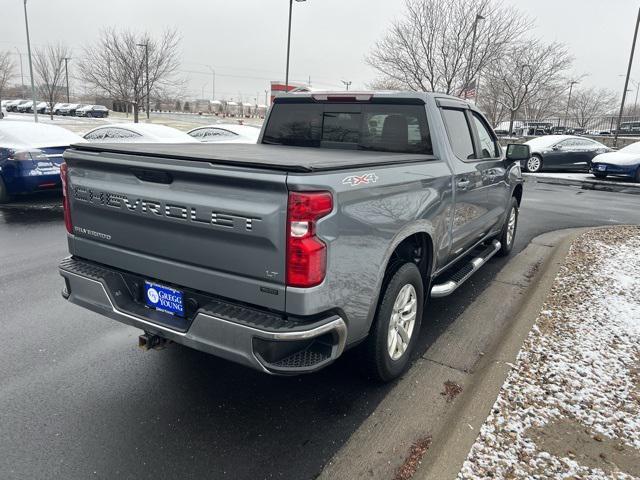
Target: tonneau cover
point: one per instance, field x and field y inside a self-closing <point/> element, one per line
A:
<point x="271" y="157"/>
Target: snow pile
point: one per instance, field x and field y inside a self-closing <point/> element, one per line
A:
<point x="578" y="366"/>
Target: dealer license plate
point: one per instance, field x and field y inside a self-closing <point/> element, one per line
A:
<point x="163" y="298"/>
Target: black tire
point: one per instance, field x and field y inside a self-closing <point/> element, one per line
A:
<point x="377" y="361"/>
<point x="637" y="179"/>
<point x="529" y="167"/>
<point x="506" y="240"/>
<point x="4" y="195"/>
<point x="600" y="175"/>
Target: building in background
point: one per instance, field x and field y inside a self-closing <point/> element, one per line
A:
<point x="278" y="88"/>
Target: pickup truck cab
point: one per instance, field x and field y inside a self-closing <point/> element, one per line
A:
<point x="331" y="232"/>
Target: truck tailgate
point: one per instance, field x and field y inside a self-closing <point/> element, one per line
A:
<point x="217" y="229"/>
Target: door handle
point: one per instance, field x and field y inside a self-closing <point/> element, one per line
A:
<point x="463" y="184"/>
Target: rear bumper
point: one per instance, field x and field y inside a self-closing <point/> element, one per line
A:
<point x="261" y="340"/>
<point x="25" y="183"/>
<point x="618" y="170"/>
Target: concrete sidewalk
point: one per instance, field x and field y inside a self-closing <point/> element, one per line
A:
<point x="445" y="397"/>
<point x="585" y="181"/>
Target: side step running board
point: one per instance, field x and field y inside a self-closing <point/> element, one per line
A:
<point x="468" y="269"/>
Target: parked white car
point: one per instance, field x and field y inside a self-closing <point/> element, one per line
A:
<point x="137" y="133"/>
<point x="226" y="133"/>
<point x="12" y="105"/>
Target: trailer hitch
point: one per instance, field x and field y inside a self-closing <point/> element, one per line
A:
<point x="148" y="341"/>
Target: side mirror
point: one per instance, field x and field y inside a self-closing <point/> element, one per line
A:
<point x="556" y="148"/>
<point x="517" y="152"/>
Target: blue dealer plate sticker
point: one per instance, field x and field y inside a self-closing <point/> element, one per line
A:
<point x="165" y="299"/>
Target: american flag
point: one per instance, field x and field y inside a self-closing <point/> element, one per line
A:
<point x="469" y="91"/>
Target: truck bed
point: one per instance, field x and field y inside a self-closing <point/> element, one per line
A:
<point x="261" y="156"/>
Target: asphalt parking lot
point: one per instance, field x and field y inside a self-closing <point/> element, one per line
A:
<point x="79" y="400"/>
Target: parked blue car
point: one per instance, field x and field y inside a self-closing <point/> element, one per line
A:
<point x="30" y="156"/>
<point x="623" y="163"/>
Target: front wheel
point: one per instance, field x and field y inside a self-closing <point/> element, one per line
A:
<point x="534" y="164"/>
<point x="387" y="350"/>
<point x="637" y="179"/>
<point x="600" y="175"/>
<point x="508" y="234"/>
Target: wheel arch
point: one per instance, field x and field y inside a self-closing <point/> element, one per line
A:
<point x="517" y="192"/>
<point x="398" y="253"/>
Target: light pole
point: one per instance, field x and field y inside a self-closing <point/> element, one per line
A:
<point x="66" y="74"/>
<point x="213" y="82"/>
<point x="566" y="112"/>
<point x="146" y="60"/>
<point x="473" y="46"/>
<point x="33" y="85"/>
<point x="626" y="81"/>
<point x="346" y="84"/>
<point x="21" y="72"/>
<point x="286" y="81"/>
<point x="635" y="103"/>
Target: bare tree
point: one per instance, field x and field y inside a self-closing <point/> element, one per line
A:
<point x="430" y="48"/>
<point x="385" y="84"/>
<point x="588" y="104"/>
<point x="7" y="67"/>
<point x="48" y="63"/>
<point x="547" y="102"/>
<point x="525" y="71"/>
<point x="116" y="65"/>
<point x="489" y="102"/>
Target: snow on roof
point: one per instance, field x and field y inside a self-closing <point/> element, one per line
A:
<point x="27" y="134"/>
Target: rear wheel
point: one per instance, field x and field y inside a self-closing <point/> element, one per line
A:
<point x="534" y="164"/>
<point x="387" y="350"/>
<point x="508" y="235"/>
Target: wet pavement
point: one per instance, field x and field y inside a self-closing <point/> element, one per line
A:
<point x="79" y="400"/>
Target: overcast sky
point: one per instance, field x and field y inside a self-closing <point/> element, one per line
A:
<point x="245" y="40"/>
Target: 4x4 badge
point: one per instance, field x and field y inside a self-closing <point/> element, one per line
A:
<point x="364" y="179"/>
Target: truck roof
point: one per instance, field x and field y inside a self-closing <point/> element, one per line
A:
<point x="268" y="157"/>
<point x="395" y="94"/>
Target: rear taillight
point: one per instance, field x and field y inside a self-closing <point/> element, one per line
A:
<point x="306" y="253"/>
<point x="65" y="197"/>
<point x="21" y="155"/>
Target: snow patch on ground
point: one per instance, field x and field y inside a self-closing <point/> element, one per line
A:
<point x="577" y="364"/>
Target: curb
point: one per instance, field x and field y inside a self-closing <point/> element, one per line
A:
<point x="587" y="183"/>
<point x="472" y="354"/>
<point x="445" y="460"/>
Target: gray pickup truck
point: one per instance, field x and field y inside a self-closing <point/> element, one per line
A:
<point x="331" y="232"/>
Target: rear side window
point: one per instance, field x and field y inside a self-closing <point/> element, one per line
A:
<point x="386" y="128"/>
<point x="459" y="133"/>
<point x="488" y="144"/>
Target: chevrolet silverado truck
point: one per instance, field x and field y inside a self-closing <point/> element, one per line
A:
<point x="331" y="232"/>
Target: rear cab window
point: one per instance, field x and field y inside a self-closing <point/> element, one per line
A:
<point x="459" y="133"/>
<point x="462" y="126"/>
<point x="400" y="128"/>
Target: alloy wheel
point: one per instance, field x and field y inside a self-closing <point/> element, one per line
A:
<point x="533" y="164"/>
<point x="511" y="226"/>
<point x="402" y="323"/>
